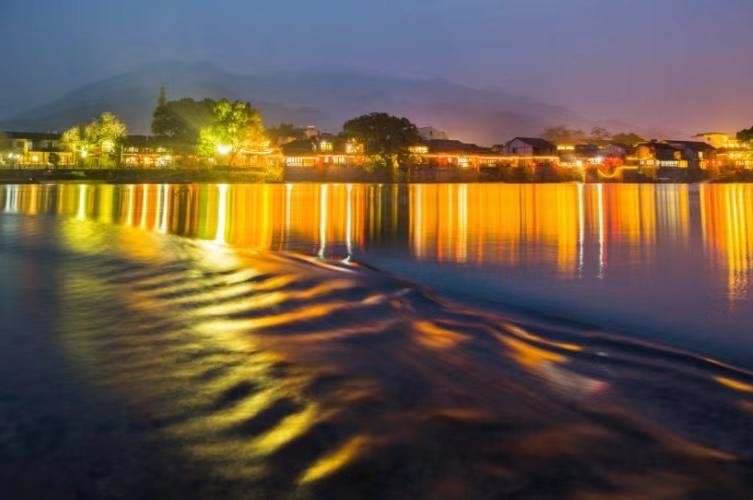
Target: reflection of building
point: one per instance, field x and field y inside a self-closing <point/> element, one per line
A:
<point x="727" y="222"/>
<point x="33" y="149"/>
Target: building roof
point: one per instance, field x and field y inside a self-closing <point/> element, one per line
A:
<point x="693" y="145"/>
<point x="535" y="142"/>
<point x="300" y="147"/>
<point x="449" y="146"/>
<point x="32" y="136"/>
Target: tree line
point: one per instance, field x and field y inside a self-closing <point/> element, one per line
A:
<point x="598" y="135"/>
<point x="220" y="129"/>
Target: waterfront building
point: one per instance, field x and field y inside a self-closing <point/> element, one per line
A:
<point x="699" y="155"/>
<point x="323" y="150"/>
<point x="655" y="154"/>
<point x="731" y="153"/>
<point x="529" y="147"/>
<point x="141" y="151"/>
<point x="33" y="150"/>
<point x="720" y="140"/>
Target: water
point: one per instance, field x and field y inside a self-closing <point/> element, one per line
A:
<point x="369" y="341"/>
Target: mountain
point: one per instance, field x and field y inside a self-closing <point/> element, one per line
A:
<point x="326" y="97"/>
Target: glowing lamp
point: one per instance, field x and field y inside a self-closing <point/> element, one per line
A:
<point x="224" y="149"/>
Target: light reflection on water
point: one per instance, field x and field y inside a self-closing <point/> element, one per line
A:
<point x="658" y="258"/>
<point x="284" y="374"/>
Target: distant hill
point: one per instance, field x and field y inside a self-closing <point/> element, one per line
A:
<point x="325" y="97"/>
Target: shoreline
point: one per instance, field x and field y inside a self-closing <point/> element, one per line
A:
<point x="242" y="176"/>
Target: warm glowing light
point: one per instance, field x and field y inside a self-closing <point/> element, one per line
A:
<point x="224" y="149"/>
<point x="334" y="461"/>
<point x="734" y="384"/>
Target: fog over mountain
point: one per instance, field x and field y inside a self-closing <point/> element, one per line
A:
<point x="325" y="97"/>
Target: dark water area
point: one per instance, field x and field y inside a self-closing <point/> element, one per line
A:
<point x="289" y="341"/>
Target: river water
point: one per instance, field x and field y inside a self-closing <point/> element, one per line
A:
<point x="336" y="340"/>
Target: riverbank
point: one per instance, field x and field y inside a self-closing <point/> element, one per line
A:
<point x="129" y="176"/>
<point x="544" y="174"/>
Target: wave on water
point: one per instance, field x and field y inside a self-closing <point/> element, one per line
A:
<point x="282" y="375"/>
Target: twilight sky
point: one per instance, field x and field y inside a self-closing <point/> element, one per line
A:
<point x="686" y="64"/>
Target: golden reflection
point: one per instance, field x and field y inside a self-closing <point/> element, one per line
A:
<point x="334" y="461"/>
<point x="574" y="230"/>
<point x="259" y="367"/>
<point x="727" y="222"/>
<point x="734" y="384"/>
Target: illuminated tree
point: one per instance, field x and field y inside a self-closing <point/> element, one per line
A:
<point x="73" y="140"/>
<point x="235" y="127"/>
<point x="387" y="139"/>
<point x="98" y="141"/>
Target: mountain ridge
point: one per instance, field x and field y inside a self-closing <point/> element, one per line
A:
<point x="324" y="96"/>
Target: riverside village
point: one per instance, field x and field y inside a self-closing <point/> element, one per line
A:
<point x="223" y="140"/>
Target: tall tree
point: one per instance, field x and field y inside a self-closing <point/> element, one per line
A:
<point x="235" y="127"/>
<point x="385" y="137"/>
<point x="284" y="133"/>
<point x="179" y="122"/>
<point x="161" y="118"/>
<point x="745" y="135"/>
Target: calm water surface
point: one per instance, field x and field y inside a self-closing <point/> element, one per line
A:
<point x="298" y="340"/>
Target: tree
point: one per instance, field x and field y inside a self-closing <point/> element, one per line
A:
<point x="179" y="122"/>
<point x="106" y="135"/>
<point x="386" y="138"/>
<point x="284" y="133"/>
<point x="564" y="135"/>
<point x="54" y="159"/>
<point x="162" y="118"/>
<point x="100" y="140"/>
<point x="600" y="134"/>
<point x="73" y="140"/>
<point x="745" y="135"/>
<point x="627" y="139"/>
<point x="235" y="127"/>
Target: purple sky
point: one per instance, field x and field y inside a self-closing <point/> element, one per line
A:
<point x="685" y="64"/>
